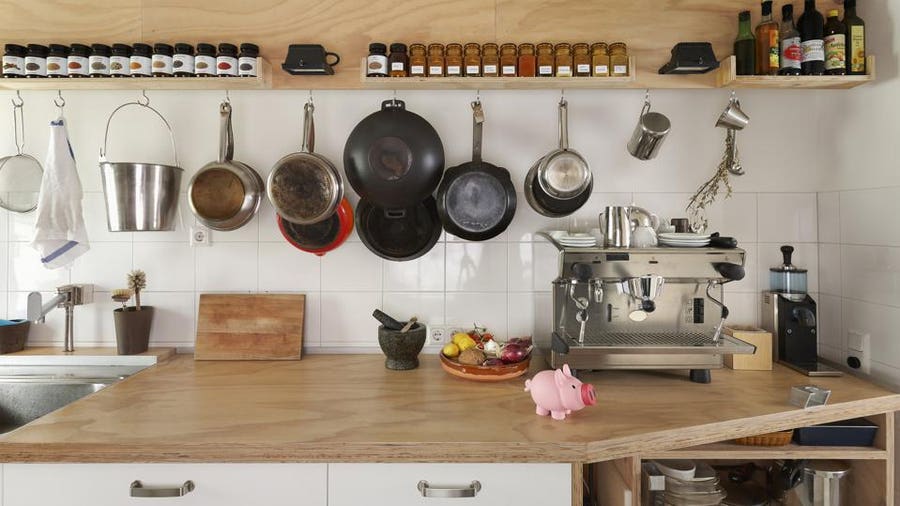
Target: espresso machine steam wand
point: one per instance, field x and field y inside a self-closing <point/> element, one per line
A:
<point x="731" y="272"/>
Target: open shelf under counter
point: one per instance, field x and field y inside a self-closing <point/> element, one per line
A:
<point x="727" y="77"/>
<point x="733" y="451"/>
<point x="262" y="81"/>
<point x="500" y="83"/>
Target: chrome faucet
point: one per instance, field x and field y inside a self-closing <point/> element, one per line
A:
<point x="68" y="296"/>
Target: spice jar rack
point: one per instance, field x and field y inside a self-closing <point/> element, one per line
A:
<point x="497" y="83"/>
<point x="260" y="82"/>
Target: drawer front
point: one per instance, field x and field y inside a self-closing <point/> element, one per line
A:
<point x="213" y="484"/>
<point x="500" y="484"/>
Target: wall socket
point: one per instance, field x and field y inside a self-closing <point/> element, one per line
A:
<point x="441" y="334"/>
<point x="199" y="236"/>
<point x="859" y="353"/>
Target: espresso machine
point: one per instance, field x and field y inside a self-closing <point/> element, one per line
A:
<point x="789" y="313"/>
<point x="642" y="308"/>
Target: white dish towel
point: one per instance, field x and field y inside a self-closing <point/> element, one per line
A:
<point x="59" y="233"/>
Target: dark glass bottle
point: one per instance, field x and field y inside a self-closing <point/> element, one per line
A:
<point x="745" y="46"/>
<point x="78" y="61"/>
<point x="36" y="60"/>
<point x="205" y="60"/>
<point x="856" y="39"/>
<point x="227" y="60"/>
<point x="767" y="48"/>
<point x="162" y="60"/>
<point x="835" y="45"/>
<point x="141" y="60"/>
<point x="812" y="39"/>
<point x="398" y="60"/>
<point x="377" y="61"/>
<point x="120" y="60"/>
<point x="14" y="60"/>
<point x="247" y="59"/>
<point x="791" y="53"/>
<point x="58" y="61"/>
<point x="183" y="60"/>
<point x="99" y="60"/>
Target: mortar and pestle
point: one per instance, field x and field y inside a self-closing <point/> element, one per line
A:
<point x="400" y="342"/>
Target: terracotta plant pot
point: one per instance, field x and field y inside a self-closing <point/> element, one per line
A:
<point x="133" y="329"/>
<point x="402" y="350"/>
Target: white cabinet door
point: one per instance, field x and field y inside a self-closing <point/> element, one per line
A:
<point x="214" y="484"/>
<point x="498" y="484"/>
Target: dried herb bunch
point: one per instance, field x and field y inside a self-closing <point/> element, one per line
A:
<point x="706" y="195"/>
<point x="137" y="281"/>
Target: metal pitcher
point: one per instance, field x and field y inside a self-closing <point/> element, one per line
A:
<point x="649" y="134"/>
<point x="615" y="227"/>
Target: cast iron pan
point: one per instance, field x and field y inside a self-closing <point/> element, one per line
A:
<point x="399" y="234"/>
<point x="322" y="237"/>
<point x="476" y="200"/>
<point x="394" y="158"/>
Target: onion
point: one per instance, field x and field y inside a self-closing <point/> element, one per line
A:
<point x="513" y="353"/>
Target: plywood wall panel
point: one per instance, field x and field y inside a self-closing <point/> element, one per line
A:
<point x="68" y="21"/>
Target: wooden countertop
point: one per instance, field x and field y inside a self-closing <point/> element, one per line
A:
<point x="345" y="408"/>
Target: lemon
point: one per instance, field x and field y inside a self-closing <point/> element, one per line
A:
<point x="450" y="350"/>
<point x="465" y="343"/>
<point x="458" y="337"/>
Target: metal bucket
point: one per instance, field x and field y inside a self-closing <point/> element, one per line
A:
<point x="140" y="197"/>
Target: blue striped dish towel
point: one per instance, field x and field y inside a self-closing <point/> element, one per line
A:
<point x="59" y="233"/>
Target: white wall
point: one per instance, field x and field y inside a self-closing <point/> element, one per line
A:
<point x="503" y="284"/>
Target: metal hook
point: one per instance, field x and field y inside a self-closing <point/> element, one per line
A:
<point x="18" y="97"/>
<point x="309" y="97"/>
<point x="647" y="96"/>
<point x="59" y="101"/>
<point x="394" y="100"/>
<point x="143" y="100"/>
<point x="227" y="97"/>
<point x="478" y="95"/>
<point x="562" y="93"/>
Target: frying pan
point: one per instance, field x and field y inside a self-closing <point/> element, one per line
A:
<point x="225" y="194"/>
<point x="399" y="234"/>
<point x="394" y="158"/>
<point x="476" y="200"/>
<point x="305" y="187"/>
<point x="545" y="204"/>
<point x="322" y="237"/>
<point x="563" y="173"/>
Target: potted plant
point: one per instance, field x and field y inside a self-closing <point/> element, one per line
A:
<point x="132" y="323"/>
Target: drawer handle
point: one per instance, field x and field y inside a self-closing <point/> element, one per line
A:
<point x="138" y="490"/>
<point x="429" y="491"/>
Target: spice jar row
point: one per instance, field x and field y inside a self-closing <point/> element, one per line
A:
<point x="498" y="60"/>
<point x="130" y="60"/>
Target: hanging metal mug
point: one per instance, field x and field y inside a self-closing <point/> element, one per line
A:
<point x="649" y="134"/>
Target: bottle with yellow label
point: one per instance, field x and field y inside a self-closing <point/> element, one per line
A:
<point x="856" y="39"/>
<point x="768" y="47"/>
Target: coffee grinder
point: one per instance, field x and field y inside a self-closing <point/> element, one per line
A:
<point x="789" y="313"/>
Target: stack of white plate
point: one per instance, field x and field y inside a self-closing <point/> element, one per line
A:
<point x="574" y="240"/>
<point x="684" y="240"/>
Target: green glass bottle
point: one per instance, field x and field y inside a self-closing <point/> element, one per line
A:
<point x="745" y="46"/>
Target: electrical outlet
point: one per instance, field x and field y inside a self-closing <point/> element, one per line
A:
<point x="200" y="236"/>
<point x="858" y="351"/>
<point x="441" y="334"/>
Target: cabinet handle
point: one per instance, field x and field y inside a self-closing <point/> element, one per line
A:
<point x="138" y="490"/>
<point x="429" y="491"/>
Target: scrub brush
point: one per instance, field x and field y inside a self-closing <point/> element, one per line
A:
<point x="137" y="281"/>
<point x="122" y="295"/>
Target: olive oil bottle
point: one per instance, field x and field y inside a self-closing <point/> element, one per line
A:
<point x="745" y="46"/>
<point x="767" y="47"/>
<point x="856" y="39"/>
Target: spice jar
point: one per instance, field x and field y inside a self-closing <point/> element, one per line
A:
<point x="226" y="60"/>
<point x="141" y="60"/>
<point x="120" y="60"/>
<point x="183" y="60"/>
<point x="247" y="60"/>
<point x="99" y="60"/>
<point x="545" y="59"/>
<point x="417" y="60"/>
<point x="205" y="60"/>
<point x="508" y="60"/>
<point x="377" y="61"/>
<point x="472" y="60"/>
<point x="14" y="60"/>
<point x="490" y="60"/>
<point x="77" y="61"/>
<point x="618" y="59"/>
<point x="563" y="59"/>
<point x="435" y="60"/>
<point x="581" y="59"/>
<point x="162" y="60"/>
<point x="599" y="60"/>
<point x="527" y="61"/>
<point x="454" y="60"/>
<point x="58" y="61"/>
<point x="398" y="60"/>
<point x="36" y="60"/>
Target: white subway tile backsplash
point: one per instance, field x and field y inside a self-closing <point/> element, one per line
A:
<point x="227" y="267"/>
<point x="94" y="323"/>
<point x="871" y="273"/>
<point x="352" y="267"/>
<point x="4" y="225"/>
<point x="21" y="227"/>
<point x="530" y="314"/>
<point x="750" y="283"/>
<point x="831" y="332"/>
<point x="829" y="217"/>
<point x="483" y="309"/>
<point x="743" y="308"/>
<point x="428" y="308"/>
<point x="172" y="325"/>
<point x="880" y="322"/>
<point x="830" y="269"/>
<point x="284" y="268"/>
<point x="26" y="273"/>
<point x="4" y="310"/>
<point x="184" y="220"/>
<point x="788" y="217"/>
<point x="346" y="319"/>
<point x="249" y="232"/>
<point x="169" y="265"/>
<point x="424" y="274"/>
<point x="93" y="206"/>
<point x="527" y="222"/>
<point x="105" y="265"/>
<point x="532" y="266"/>
<point x="868" y="217"/>
<point x="476" y="267"/>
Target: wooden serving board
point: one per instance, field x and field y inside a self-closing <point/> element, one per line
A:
<point x="250" y="327"/>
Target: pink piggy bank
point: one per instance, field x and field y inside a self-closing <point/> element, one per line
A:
<point x="558" y="393"/>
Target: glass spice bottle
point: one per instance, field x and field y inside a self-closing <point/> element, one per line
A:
<point x="618" y="59"/>
<point x="58" y="61"/>
<point x="454" y="60"/>
<point x="141" y="55"/>
<point x="205" y="60"/>
<point x="162" y="60"/>
<point x="490" y="60"/>
<point x="581" y="59"/>
<point x="508" y="60"/>
<point x="120" y="60"/>
<point x="99" y="60"/>
<point x="226" y="60"/>
<point x="247" y="60"/>
<point x="563" y="59"/>
<point x="435" y="60"/>
<point x="77" y="63"/>
<point x="183" y="60"/>
<point x="398" y="60"/>
<point x="36" y="61"/>
<point x="14" y="60"/>
<point x="377" y="61"/>
<point x="545" y="59"/>
<point x="472" y="60"/>
<point x="527" y="61"/>
<point x="417" y="60"/>
<point x="599" y="60"/>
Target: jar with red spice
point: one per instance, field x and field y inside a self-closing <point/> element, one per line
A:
<point x="227" y="61"/>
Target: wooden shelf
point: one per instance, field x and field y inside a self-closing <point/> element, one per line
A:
<point x="732" y="451"/>
<point x="261" y="82"/>
<point x="499" y="83"/>
<point x="727" y="77"/>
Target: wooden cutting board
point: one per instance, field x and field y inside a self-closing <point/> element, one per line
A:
<point x="250" y="327"/>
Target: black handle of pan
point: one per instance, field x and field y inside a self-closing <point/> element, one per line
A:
<point x="393" y="104"/>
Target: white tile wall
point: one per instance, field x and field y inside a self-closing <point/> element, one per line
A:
<point x="502" y="284"/>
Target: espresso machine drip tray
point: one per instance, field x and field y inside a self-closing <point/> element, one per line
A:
<point x="667" y="340"/>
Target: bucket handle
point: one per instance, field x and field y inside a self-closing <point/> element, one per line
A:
<point x="145" y="105"/>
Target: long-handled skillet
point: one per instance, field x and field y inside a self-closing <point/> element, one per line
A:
<point x="476" y="200"/>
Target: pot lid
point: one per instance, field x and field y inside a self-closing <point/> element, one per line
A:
<point x="787" y="266"/>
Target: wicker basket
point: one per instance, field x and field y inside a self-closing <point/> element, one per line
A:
<point x="771" y="439"/>
<point x="13" y="336"/>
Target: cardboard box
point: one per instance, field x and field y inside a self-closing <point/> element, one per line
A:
<point x="759" y="361"/>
